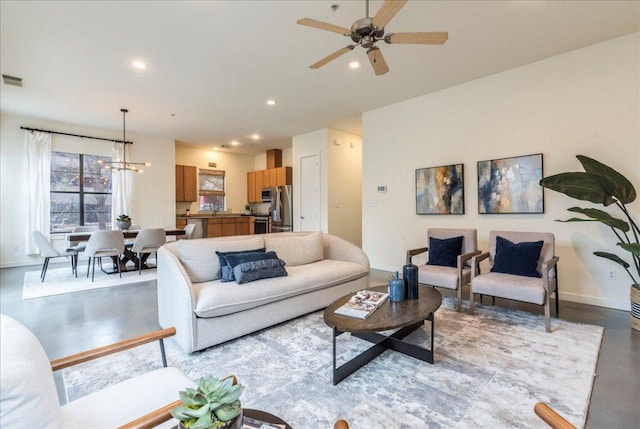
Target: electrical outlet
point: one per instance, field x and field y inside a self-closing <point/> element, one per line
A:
<point x="611" y="275"/>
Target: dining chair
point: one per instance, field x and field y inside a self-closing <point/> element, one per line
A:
<point x="104" y="243"/>
<point x="189" y="230"/>
<point x="48" y="251"/>
<point x="449" y="254"/>
<point x="79" y="246"/>
<point x="148" y="241"/>
<point x="29" y="398"/>
<point x="522" y="267"/>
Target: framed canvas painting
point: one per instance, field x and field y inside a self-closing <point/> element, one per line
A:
<point x="511" y="185"/>
<point x="440" y="190"/>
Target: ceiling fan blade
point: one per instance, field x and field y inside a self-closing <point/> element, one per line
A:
<point x="332" y="57"/>
<point x="433" y="38"/>
<point x="387" y="11"/>
<point x="324" y="26"/>
<point x="377" y="61"/>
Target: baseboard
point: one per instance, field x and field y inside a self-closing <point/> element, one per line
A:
<point x="615" y="304"/>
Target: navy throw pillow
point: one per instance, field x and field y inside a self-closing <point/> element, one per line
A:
<point x="236" y="259"/>
<point x="517" y="258"/>
<point x="223" y="262"/>
<point x="256" y="270"/>
<point x="444" y="251"/>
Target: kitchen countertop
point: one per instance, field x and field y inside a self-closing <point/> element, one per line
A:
<point x="210" y="216"/>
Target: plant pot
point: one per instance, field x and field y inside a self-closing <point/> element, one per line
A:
<point x="123" y="224"/>
<point x="635" y="307"/>
<point x="235" y="423"/>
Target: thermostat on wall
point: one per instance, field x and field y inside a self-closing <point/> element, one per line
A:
<point x="382" y="188"/>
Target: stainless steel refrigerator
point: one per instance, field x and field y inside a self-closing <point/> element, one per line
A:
<point x="282" y="209"/>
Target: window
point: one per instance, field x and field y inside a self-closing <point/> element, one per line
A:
<point x="211" y="190"/>
<point x="80" y="191"/>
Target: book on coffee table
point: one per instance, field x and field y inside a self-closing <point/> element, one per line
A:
<point x="362" y="304"/>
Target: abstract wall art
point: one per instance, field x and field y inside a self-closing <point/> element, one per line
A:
<point x="511" y="185"/>
<point x="440" y="190"/>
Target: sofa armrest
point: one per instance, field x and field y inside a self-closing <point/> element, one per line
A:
<point x="176" y="298"/>
<point x="339" y="249"/>
<point x="413" y="252"/>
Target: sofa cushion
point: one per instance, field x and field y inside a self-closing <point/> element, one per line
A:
<point x="259" y="269"/>
<point x="510" y="286"/>
<point x="232" y="259"/>
<point x="296" y="250"/>
<point x="520" y="259"/>
<point x="445" y="251"/>
<point x="225" y="274"/>
<point x="215" y="298"/>
<point x="28" y="397"/>
<point x="447" y="277"/>
<point x="199" y="258"/>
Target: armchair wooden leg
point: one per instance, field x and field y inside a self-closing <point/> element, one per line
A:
<point x="459" y="309"/>
<point x="472" y="301"/>
<point x="547" y="315"/>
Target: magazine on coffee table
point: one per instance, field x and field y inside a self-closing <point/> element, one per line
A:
<point x="251" y="423"/>
<point x="362" y="304"/>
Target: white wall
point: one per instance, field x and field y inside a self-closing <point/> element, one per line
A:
<point x="152" y="192"/>
<point x="583" y="102"/>
<point x="344" y="205"/>
<point x="234" y="165"/>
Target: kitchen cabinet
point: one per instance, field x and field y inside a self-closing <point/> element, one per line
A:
<point x="284" y="176"/>
<point x="259" y="186"/>
<point x="266" y="182"/>
<point x="186" y="183"/>
<point x="272" y="177"/>
<point x="227" y="226"/>
<point x="181" y="223"/>
<point x="251" y="187"/>
<point x="242" y="225"/>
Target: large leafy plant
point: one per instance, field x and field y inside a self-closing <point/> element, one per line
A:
<point x="601" y="184"/>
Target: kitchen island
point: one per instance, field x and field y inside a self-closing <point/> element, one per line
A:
<point x="218" y="225"/>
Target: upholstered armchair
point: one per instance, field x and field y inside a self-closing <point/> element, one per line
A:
<point x="450" y="251"/>
<point x="29" y="398"/>
<point x="522" y="267"/>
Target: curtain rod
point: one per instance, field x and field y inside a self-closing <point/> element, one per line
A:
<point x="76" y="135"/>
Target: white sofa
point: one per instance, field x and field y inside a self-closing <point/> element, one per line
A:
<point x="205" y="311"/>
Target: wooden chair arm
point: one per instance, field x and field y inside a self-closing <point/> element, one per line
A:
<point x="466" y="256"/>
<point x="99" y="352"/>
<point x="550" y="417"/>
<point x="341" y="424"/>
<point x="413" y="252"/>
<point x="547" y="265"/>
<point x="475" y="263"/>
<point x="154" y="418"/>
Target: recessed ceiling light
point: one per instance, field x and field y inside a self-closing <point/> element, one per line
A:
<point x="235" y="143"/>
<point x="137" y="64"/>
<point x="255" y="136"/>
<point x="271" y="102"/>
<point x="354" y="65"/>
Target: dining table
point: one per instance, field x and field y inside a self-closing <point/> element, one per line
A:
<point x="128" y="255"/>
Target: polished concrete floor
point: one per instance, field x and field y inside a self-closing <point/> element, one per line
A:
<point x="72" y="323"/>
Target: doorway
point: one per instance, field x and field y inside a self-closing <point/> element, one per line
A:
<point x="310" y="193"/>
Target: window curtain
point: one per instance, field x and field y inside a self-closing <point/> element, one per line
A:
<point x="120" y="185"/>
<point x="37" y="147"/>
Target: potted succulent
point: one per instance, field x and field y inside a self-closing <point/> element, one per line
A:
<point x="601" y="184"/>
<point x="123" y="221"/>
<point x="214" y="404"/>
<point x="248" y="209"/>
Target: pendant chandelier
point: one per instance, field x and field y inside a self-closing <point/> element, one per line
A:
<point x="124" y="165"/>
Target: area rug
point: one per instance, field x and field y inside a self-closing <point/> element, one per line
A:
<point x="490" y="369"/>
<point x="61" y="280"/>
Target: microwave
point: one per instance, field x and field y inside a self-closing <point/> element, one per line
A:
<point x="267" y="195"/>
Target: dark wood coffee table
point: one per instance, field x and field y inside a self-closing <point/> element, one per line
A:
<point x="408" y="315"/>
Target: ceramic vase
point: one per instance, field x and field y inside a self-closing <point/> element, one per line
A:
<point x="396" y="289"/>
<point x="410" y="276"/>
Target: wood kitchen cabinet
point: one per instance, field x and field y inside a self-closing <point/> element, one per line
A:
<point x="284" y="176"/>
<point x="227" y="226"/>
<point x="181" y="223"/>
<point x="259" y="186"/>
<point x="266" y="179"/>
<point x="186" y="183"/>
<point x="251" y="187"/>
<point x="269" y="178"/>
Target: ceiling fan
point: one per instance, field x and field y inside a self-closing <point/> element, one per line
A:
<point x="367" y="31"/>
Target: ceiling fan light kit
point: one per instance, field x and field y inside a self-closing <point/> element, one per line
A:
<point x="367" y="31"/>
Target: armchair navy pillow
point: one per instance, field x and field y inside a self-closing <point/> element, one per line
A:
<point x="445" y="251"/>
<point x="520" y="259"/>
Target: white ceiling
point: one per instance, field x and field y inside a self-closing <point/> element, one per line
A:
<point x="214" y="64"/>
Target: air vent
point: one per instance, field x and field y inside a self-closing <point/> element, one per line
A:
<point x="12" y="80"/>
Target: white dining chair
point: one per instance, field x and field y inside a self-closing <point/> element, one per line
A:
<point x="148" y="241"/>
<point x="79" y="246"/>
<point x="189" y="230"/>
<point x="104" y="243"/>
<point x="48" y="251"/>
